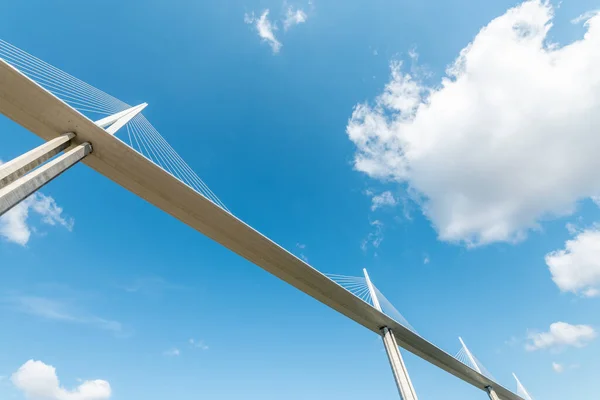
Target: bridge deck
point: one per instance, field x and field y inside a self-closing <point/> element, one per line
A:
<point x="34" y="108"/>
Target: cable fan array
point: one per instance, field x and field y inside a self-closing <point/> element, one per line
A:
<point x="358" y="287"/>
<point x="146" y="140"/>
<point x="463" y="357"/>
<point x="138" y="133"/>
<point x="75" y="92"/>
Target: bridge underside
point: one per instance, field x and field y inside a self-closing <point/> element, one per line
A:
<point x="34" y="108"/>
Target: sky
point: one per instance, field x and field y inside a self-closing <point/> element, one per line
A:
<point x="449" y="147"/>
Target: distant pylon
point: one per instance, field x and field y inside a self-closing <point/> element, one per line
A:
<point x="521" y="391"/>
<point x="475" y="365"/>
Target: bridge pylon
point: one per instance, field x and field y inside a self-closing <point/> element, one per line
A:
<point x="475" y="365"/>
<point x="403" y="382"/>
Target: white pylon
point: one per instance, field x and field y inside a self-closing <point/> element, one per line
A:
<point x="521" y="391"/>
<point x="403" y="382"/>
<point x="114" y="122"/>
<point x="490" y="390"/>
<point x="470" y="356"/>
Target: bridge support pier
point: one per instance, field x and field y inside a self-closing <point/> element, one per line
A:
<point x="17" y="183"/>
<point x="492" y="393"/>
<point x="18" y="167"/>
<point x="405" y="387"/>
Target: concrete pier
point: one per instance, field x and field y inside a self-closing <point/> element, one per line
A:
<point x="17" y="191"/>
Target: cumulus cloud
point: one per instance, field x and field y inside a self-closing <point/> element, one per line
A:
<point x="576" y="268"/>
<point x="294" y="17"/>
<point x="559" y="336"/>
<point x="384" y="199"/>
<point x="38" y="381"/>
<point x="558" y="368"/>
<point x="508" y="138"/>
<point x="265" y="28"/>
<point x="14" y="226"/>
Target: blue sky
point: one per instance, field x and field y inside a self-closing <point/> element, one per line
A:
<point x="459" y="213"/>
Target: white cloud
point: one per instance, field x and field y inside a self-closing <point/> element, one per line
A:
<point x="426" y="260"/>
<point x="560" y="335"/>
<point x="38" y="381"/>
<point x="199" y="344"/>
<point x="384" y="199"/>
<point x="14" y="225"/>
<point x="172" y="352"/>
<point x="576" y="268"/>
<point x="508" y="138"/>
<point x="266" y="29"/>
<point x="375" y="237"/>
<point x="294" y="17"/>
<point x="60" y="311"/>
<point x="558" y="368"/>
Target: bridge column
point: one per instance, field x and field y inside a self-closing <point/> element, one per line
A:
<point x="405" y="387"/>
<point x="492" y="393"/>
<point x="403" y="382"/>
<point x="18" y="167"/>
<point x="14" y="187"/>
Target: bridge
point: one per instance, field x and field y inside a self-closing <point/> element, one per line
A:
<point x="83" y="124"/>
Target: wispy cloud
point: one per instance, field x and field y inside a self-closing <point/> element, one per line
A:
<point x="558" y="368"/>
<point x="193" y="343"/>
<point x="513" y="341"/>
<point x="302" y="247"/>
<point x="265" y="28"/>
<point x="198" y="344"/>
<point x="150" y="285"/>
<point x="382" y="200"/>
<point x="375" y="237"/>
<point x="57" y="310"/>
<point x="174" y="352"/>
<point x="294" y="17"/>
<point x="586" y="16"/>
